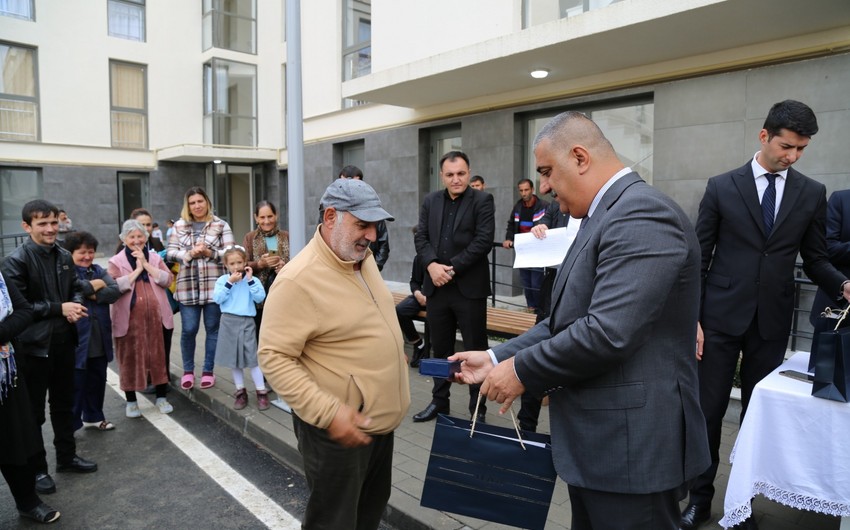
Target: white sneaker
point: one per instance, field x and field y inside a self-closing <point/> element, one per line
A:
<point x="133" y="410"/>
<point x="164" y="406"/>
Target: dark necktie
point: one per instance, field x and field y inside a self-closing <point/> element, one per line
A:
<point x="768" y="203"/>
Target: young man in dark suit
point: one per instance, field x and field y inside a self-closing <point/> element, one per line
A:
<point x="627" y="431"/>
<point x="453" y="240"/>
<point x="837" y="246"/>
<point x="753" y="221"/>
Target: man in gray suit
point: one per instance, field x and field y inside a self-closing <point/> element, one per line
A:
<point x="616" y="355"/>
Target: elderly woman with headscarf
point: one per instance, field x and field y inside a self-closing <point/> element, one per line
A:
<point x="139" y="316"/>
<point x="267" y="248"/>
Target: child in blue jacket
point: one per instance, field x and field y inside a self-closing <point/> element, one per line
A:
<point x="236" y="293"/>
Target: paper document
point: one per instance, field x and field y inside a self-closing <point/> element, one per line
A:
<point x="547" y="252"/>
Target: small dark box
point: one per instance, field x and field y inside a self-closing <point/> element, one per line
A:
<point x="439" y="368"/>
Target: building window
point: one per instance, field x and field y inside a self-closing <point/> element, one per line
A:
<point x="23" y="9"/>
<point x="230" y="103"/>
<point x="129" y="105"/>
<point x="230" y="24"/>
<point x="629" y="128"/>
<point x="285" y="105"/>
<point x="356" y="42"/>
<point x="127" y="19"/>
<point x="18" y="94"/>
<point x="18" y="186"/>
<point x="540" y="11"/>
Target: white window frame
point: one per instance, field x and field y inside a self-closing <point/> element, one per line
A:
<point x="22" y="9"/>
<point x="123" y="28"/>
<point x="15" y="106"/>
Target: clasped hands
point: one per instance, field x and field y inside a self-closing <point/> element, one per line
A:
<point x="440" y="274"/>
<point x="200" y="249"/>
<point x="499" y="383"/>
<point x="269" y="261"/>
<point x="73" y="311"/>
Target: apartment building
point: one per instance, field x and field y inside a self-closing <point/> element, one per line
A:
<point x="106" y="105"/>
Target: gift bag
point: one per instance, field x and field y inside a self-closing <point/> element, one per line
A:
<point x="489" y="473"/>
<point x="829" y="320"/>
<point x="832" y="363"/>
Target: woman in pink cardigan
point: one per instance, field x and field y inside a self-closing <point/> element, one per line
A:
<point x="139" y="316"/>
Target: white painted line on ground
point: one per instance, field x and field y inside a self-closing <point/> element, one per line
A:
<point x="254" y="500"/>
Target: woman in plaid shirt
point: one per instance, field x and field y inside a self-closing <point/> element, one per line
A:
<point x="197" y="243"/>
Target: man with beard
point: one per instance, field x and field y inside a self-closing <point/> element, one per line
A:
<point x="330" y="345"/>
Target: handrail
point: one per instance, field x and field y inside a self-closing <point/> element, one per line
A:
<point x="804" y="288"/>
<point x="9" y="242"/>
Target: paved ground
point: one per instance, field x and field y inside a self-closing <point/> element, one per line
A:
<point x="272" y="429"/>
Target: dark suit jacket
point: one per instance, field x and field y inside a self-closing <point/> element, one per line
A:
<point x="617" y="353"/>
<point x="474" y="228"/>
<point x="742" y="270"/>
<point x="837" y="246"/>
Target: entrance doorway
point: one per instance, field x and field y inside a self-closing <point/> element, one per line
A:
<point x="233" y="198"/>
<point x="443" y="140"/>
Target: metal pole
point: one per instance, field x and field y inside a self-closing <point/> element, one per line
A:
<point x="295" y="129"/>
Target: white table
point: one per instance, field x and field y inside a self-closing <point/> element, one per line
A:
<point x="792" y="448"/>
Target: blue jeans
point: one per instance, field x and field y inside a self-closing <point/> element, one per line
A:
<point x="531" y="280"/>
<point x="190" y="317"/>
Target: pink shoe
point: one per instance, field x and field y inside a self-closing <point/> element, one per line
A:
<point x="187" y="381"/>
<point x="207" y="380"/>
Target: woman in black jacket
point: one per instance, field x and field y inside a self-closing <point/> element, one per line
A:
<point x="18" y="442"/>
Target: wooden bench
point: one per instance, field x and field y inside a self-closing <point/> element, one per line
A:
<point x="503" y="323"/>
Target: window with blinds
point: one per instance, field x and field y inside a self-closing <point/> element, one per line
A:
<point x="18" y="94"/>
<point x="128" y="105"/>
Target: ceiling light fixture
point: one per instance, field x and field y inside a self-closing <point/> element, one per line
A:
<point x="540" y="73"/>
<point x="216" y="161"/>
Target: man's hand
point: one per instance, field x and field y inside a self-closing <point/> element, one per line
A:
<point x="73" y="311"/>
<point x="440" y="274"/>
<point x="475" y="365"/>
<point x="846" y="290"/>
<point x="507" y="243"/>
<point x="345" y="427"/>
<point x="539" y="231"/>
<point x="421" y="298"/>
<point x="700" y="341"/>
<point x="502" y="385"/>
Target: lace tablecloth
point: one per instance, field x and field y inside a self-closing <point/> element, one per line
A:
<point x="792" y="448"/>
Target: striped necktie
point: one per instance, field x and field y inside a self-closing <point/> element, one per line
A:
<point x="768" y="203"/>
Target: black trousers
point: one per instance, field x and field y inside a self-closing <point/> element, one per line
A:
<point x="21" y="481"/>
<point x="759" y="357"/>
<point x="349" y="487"/>
<point x="449" y="310"/>
<point x="53" y="374"/>
<point x="405" y="311"/>
<point x="602" y="510"/>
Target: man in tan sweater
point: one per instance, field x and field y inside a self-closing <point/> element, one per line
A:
<point x="331" y="346"/>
